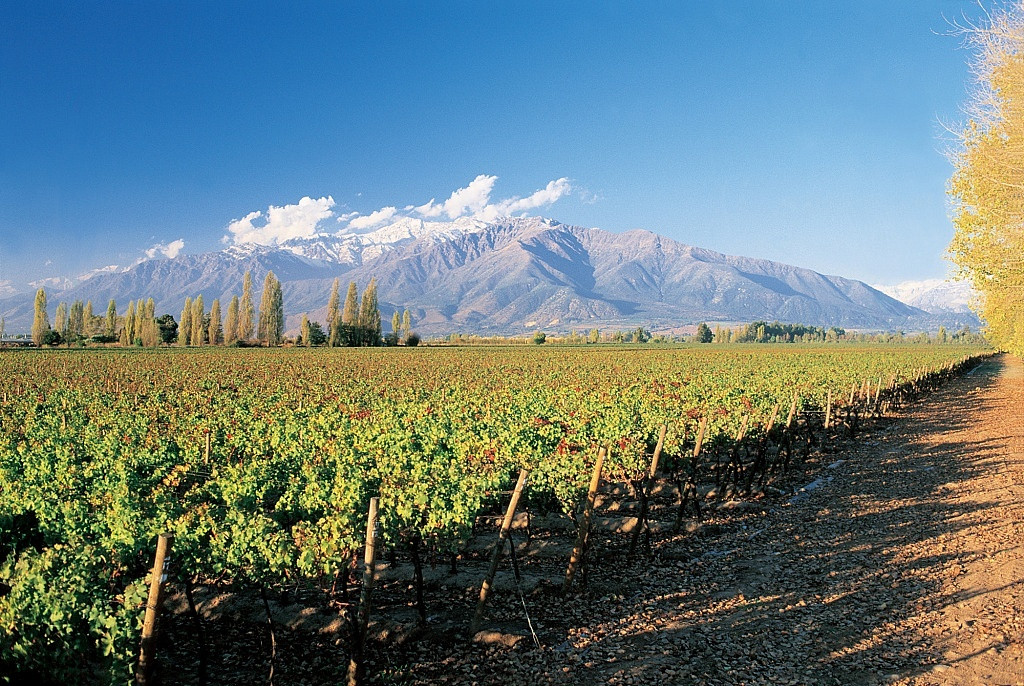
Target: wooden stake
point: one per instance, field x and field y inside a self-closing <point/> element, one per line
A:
<point x="356" y="668"/>
<point x="657" y="451"/>
<point x="792" y="412"/>
<point x="158" y="577"/>
<point x="499" y="548"/>
<point x="771" y="420"/>
<point x="584" y="528"/>
<point x="700" y="437"/>
<point x="828" y="410"/>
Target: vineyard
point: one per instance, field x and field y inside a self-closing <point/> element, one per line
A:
<point x="262" y="465"/>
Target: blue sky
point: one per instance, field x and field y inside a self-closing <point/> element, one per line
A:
<point x="804" y="132"/>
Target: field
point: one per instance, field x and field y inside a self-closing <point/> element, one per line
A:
<point x="262" y="463"/>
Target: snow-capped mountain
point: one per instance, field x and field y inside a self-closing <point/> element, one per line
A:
<point x="933" y="295"/>
<point x="508" y="275"/>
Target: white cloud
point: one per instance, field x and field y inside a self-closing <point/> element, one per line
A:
<point x="168" y="250"/>
<point x="373" y="219"/>
<point x="471" y="199"/>
<point x="545" y="196"/>
<point x="7" y="288"/>
<point x="280" y="224"/>
<point x="475" y="200"/>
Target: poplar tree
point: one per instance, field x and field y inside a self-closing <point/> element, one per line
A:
<point x="76" y="319"/>
<point x="88" y="320"/>
<point x="332" y="305"/>
<point x="150" y="333"/>
<point x="350" y="315"/>
<point x="271" y="321"/>
<point x="231" y="327"/>
<point x="40" y="320"/>
<point x="185" y="327"/>
<point x="369" y="315"/>
<point x="304" y="330"/>
<point x="198" y="310"/>
<point x="396" y="323"/>
<point x="129" y="323"/>
<point x="139" y="325"/>
<point x="60" y="320"/>
<point x="406" y="324"/>
<point x="216" y="331"/>
<point x="111" y="319"/>
<point x="3" y="325"/>
<point x="246" y="310"/>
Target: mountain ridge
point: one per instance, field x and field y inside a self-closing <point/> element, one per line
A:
<point x="505" y="276"/>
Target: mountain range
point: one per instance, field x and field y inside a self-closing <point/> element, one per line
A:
<point x="505" y="276"/>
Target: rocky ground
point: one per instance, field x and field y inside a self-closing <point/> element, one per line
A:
<point x="904" y="565"/>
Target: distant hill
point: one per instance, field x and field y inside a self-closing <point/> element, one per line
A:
<point x="507" y="276"/>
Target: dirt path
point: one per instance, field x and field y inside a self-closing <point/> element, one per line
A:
<point x="905" y="567"/>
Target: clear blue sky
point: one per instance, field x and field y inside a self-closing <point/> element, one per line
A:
<point x="806" y="132"/>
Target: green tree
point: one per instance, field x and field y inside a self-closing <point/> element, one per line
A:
<point x="60" y="320"/>
<point x="369" y="315"/>
<point x="316" y="334"/>
<point x="246" y="310"/>
<point x="539" y="337"/>
<point x="271" y="320"/>
<point x="185" y="326"/>
<point x="215" y="332"/>
<point x="111" y="320"/>
<point x="168" y="329"/>
<point x="333" y="304"/>
<point x="350" y="315"/>
<point x="704" y="334"/>
<point x="231" y="327"/>
<point x="406" y="324"/>
<point x="129" y="323"/>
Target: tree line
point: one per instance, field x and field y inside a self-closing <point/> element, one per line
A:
<point x="358" y="324"/>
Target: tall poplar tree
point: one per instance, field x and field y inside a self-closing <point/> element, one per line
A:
<point x="333" y="304"/>
<point x="304" y="330"/>
<point x="111" y="330"/>
<point x="139" y="325"/>
<point x="40" y="320"/>
<point x="406" y="324"/>
<point x="60" y="321"/>
<point x="231" y="327"/>
<point x="129" y="323"/>
<point x="197" y="329"/>
<point x="369" y="315"/>
<point x="246" y="310"/>
<point x="76" y="320"/>
<point x="216" y="331"/>
<point x="350" y="315"/>
<point x="396" y="324"/>
<point x="271" y="321"/>
<point x="185" y="325"/>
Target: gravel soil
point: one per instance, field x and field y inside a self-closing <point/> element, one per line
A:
<point x="903" y="565"/>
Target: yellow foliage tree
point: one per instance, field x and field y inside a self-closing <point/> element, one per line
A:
<point x="987" y="186"/>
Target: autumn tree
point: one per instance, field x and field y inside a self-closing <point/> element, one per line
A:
<point x="304" y="328"/>
<point x="60" y="320"/>
<point x="185" y="323"/>
<point x="196" y="328"/>
<point x="986" y="187"/>
<point x="40" y="320"/>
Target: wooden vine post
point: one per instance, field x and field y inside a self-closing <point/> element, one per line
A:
<point x="584" y="528"/>
<point x="828" y="411"/>
<point x="158" y="577"/>
<point x="641" y="520"/>
<point x="356" y="668"/>
<point x="499" y="548"/>
<point x="792" y="412"/>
